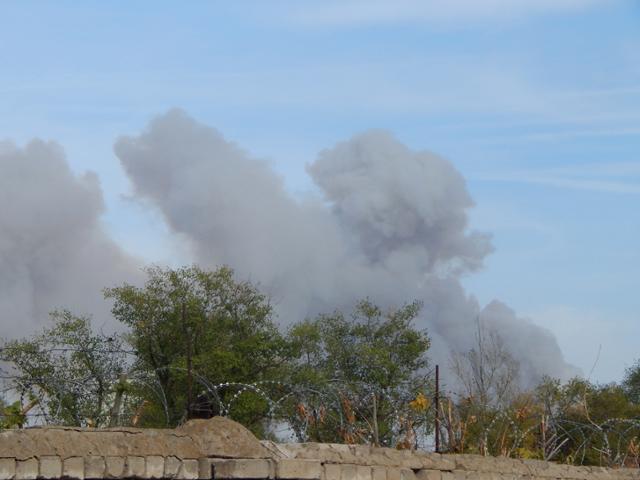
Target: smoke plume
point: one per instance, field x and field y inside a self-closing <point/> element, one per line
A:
<point x="53" y="250"/>
<point x="391" y="224"/>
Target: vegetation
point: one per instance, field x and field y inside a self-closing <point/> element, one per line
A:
<point x="69" y="371"/>
<point x="12" y="416"/>
<point x="192" y="329"/>
<point x="488" y="376"/>
<point x="199" y="343"/>
<point x="631" y="383"/>
<point x="577" y="422"/>
<point x="359" y="376"/>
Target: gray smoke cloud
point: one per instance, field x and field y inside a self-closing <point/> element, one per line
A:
<point x="53" y="250"/>
<point x="393" y="200"/>
<point x="391" y="224"/>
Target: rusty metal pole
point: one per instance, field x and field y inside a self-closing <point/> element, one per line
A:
<point x="436" y="402"/>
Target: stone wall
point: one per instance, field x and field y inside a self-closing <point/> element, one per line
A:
<point x="222" y="449"/>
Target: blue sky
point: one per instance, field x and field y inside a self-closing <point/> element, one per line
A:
<point x="536" y="102"/>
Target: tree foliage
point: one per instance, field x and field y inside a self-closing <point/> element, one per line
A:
<point x="194" y="329"/>
<point x="12" y="415"/>
<point x="68" y="371"/>
<point x="631" y="382"/>
<point x="589" y="424"/>
<point x="575" y="422"/>
<point x="359" y="374"/>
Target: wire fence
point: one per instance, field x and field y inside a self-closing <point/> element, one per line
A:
<point x="436" y="419"/>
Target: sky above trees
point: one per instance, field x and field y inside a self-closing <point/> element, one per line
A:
<point x="535" y="104"/>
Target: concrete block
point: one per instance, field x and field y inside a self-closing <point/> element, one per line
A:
<point x="154" y="467"/>
<point x="390" y="458"/>
<point x="329" y="453"/>
<point x="50" y="466"/>
<point x="331" y="471"/>
<point x="94" y="467"/>
<point x="363" y="472"/>
<point x="489" y="476"/>
<point x="407" y="474"/>
<point x="379" y="473"/>
<point x="323" y="452"/>
<point x="469" y="462"/>
<point x="430" y="461"/>
<point x="447" y="476"/>
<point x="171" y="467"/>
<point x="338" y="452"/>
<point x="440" y="461"/>
<point x="114" y="467"/>
<point x="348" y="472"/>
<point x="379" y="456"/>
<point x="428" y="475"/>
<point x="7" y="468"/>
<point x="583" y="473"/>
<point x="189" y="470"/>
<point x="599" y="473"/>
<point x="291" y="469"/>
<point x="480" y="475"/>
<point x="73" y="468"/>
<point x="134" y="467"/>
<point x="535" y="467"/>
<point x="362" y="451"/>
<point x="244" y="468"/>
<point x="508" y="466"/>
<point x="393" y="473"/>
<point x="27" y="469"/>
<point x="410" y="460"/>
<point x="206" y="468"/>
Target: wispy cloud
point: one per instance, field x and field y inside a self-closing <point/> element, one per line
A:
<point x="410" y="85"/>
<point x="615" y="177"/>
<point x="576" y="133"/>
<point x="350" y="13"/>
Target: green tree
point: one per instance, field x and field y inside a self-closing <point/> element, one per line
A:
<point x="573" y="422"/>
<point x="360" y="378"/>
<point x="13" y="415"/>
<point x="631" y="382"/>
<point x="590" y="424"/>
<point x="68" y="371"/>
<point x="193" y="330"/>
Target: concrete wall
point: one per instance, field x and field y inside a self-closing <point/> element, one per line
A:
<point x="222" y="449"/>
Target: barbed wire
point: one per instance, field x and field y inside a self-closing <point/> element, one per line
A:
<point x="613" y="439"/>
